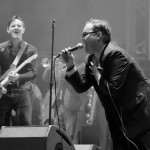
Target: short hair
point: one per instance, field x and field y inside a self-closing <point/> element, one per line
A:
<point x="102" y="26"/>
<point x="13" y="18"/>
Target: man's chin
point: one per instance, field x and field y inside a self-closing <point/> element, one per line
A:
<point x="16" y="37"/>
<point x="88" y="51"/>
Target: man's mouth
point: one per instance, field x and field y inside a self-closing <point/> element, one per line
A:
<point x="16" y="31"/>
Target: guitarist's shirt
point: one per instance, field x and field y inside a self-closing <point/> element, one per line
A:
<point x="27" y="73"/>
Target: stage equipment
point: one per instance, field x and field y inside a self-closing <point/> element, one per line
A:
<point x="34" y="138"/>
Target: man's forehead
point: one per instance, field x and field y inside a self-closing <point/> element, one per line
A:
<point x="17" y="21"/>
<point x="88" y="27"/>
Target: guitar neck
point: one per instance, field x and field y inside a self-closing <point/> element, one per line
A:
<point x="25" y="62"/>
<point x="19" y="67"/>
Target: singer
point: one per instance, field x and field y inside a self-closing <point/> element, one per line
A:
<point x="121" y="85"/>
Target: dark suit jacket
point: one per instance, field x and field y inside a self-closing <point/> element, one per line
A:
<point x="123" y="90"/>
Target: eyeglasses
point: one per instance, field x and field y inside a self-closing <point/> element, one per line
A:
<point x="86" y="33"/>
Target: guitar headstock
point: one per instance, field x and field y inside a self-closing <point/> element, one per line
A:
<point x="31" y="58"/>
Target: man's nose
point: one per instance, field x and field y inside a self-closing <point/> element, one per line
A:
<point x="16" y="29"/>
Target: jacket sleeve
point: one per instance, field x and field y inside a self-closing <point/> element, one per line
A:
<point x="81" y="81"/>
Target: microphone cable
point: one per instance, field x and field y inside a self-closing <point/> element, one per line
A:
<point x="123" y="126"/>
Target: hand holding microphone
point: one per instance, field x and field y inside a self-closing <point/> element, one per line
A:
<point x="69" y="49"/>
<point x="67" y="56"/>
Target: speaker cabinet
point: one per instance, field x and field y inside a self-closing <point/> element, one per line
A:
<point x="34" y="138"/>
<point x="86" y="147"/>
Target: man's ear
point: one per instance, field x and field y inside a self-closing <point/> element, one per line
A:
<point x="7" y="30"/>
<point x="99" y="35"/>
<point x="23" y="30"/>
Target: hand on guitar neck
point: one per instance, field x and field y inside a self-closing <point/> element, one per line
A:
<point x="13" y="77"/>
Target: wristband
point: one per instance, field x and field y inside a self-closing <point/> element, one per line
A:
<point x="69" y="69"/>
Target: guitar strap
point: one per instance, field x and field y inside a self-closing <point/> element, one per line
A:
<point x="17" y="58"/>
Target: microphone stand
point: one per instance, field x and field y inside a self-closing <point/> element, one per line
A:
<point x="51" y="82"/>
<point x="51" y="72"/>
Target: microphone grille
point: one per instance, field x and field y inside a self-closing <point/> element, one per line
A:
<point x="80" y="45"/>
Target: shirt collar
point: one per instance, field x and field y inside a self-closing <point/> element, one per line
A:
<point x="10" y="45"/>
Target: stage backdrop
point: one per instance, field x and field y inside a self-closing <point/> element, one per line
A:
<point x="70" y="16"/>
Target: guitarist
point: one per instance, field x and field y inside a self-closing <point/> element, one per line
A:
<point x="16" y="95"/>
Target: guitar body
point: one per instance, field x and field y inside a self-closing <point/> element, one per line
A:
<point x="6" y="74"/>
<point x="5" y="78"/>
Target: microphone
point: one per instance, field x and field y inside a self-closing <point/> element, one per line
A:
<point x="78" y="46"/>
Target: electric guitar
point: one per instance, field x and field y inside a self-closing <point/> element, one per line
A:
<point x="5" y="78"/>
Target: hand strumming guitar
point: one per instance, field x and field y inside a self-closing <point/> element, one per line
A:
<point x="13" y="77"/>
